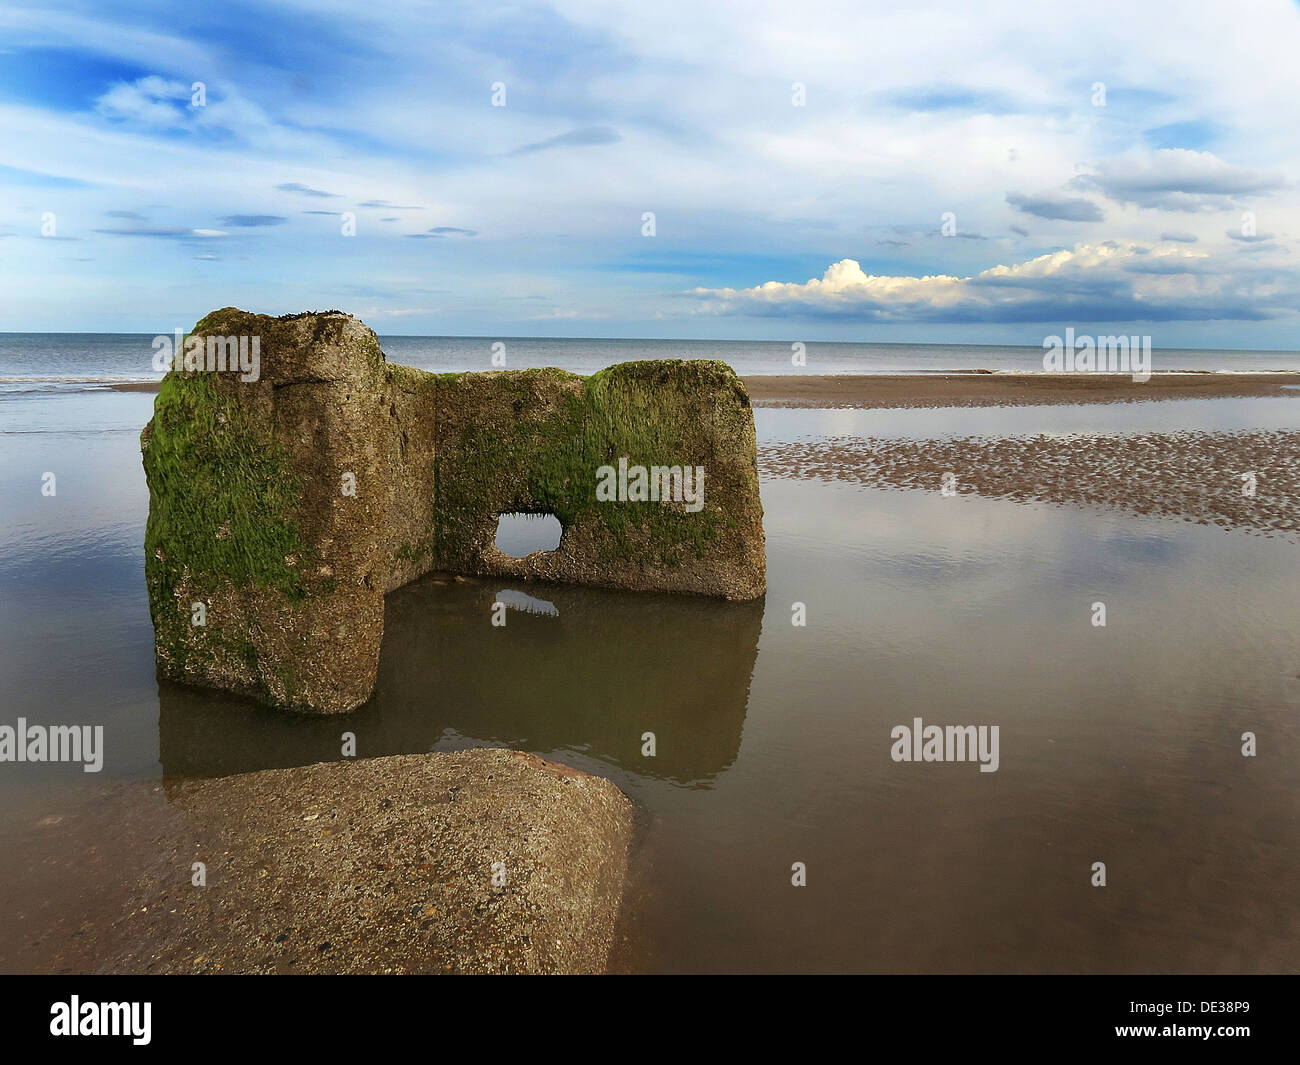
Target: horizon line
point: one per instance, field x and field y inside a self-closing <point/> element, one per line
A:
<point x="664" y="340"/>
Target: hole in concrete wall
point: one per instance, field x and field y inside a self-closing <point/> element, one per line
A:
<point x="522" y="534"/>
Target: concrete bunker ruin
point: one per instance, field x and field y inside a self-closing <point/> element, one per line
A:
<point x="290" y="504"/>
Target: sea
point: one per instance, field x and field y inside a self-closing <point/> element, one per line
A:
<point x="775" y="830"/>
<point x="80" y="361"/>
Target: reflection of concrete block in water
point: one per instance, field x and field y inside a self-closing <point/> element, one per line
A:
<point x="290" y="504"/>
<point x="594" y="677"/>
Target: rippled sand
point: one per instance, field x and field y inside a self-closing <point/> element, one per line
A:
<point x="1196" y="476"/>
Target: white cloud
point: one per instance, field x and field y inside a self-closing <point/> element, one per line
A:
<point x="1107" y="281"/>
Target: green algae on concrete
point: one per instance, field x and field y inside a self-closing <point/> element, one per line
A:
<point x="224" y="491"/>
<point x="291" y="504"/>
<point x="260" y="572"/>
<point x="532" y="441"/>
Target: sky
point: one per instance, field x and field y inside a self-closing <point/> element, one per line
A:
<point x="860" y="171"/>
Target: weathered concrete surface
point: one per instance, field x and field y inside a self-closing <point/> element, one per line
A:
<point x="247" y="515"/>
<point x="385" y="865"/>
<point x="290" y="505"/>
<point x="533" y="440"/>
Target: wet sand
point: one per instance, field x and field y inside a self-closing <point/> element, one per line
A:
<point x="74" y="851"/>
<point x="985" y="389"/>
<point x="1191" y="475"/>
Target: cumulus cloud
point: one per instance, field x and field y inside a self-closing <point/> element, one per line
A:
<point x="1110" y="281"/>
<point x="1179" y="238"/>
<point x="1056" y="207"/>
<point x="1177" y="179"/>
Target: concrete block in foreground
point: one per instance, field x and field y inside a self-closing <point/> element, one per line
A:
<point x="386" y="865"/>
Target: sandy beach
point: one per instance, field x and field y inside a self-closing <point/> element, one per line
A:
<point x="979" y="389"/>
<point x="1195" y="476"/>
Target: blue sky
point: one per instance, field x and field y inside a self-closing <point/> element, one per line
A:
<point x="947" y="172"/>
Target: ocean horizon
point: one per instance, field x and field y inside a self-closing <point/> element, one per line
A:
<point x="72" y="362"/>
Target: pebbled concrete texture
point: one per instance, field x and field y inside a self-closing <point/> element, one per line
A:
<point x="386" y="865"/>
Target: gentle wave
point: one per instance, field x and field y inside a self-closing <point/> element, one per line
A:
<point x="100" y="379"/>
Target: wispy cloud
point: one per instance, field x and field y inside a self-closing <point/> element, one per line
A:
<point x="162" y="232"/>
<point x="585" y="137"/>
<point x="253" y="221"/>
<point x="445" y="231"/>
<point x="150" y="101"/>
<point x="1177" y="179"/>
<point x="170" y="232"/>
<point x="305" y="190"/>
<point x="1056" y="207"/>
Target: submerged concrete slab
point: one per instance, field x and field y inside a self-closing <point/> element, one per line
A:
<point x="482" y="861"/>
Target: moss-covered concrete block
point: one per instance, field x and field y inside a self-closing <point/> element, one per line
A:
<point x="287" y="501"/>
